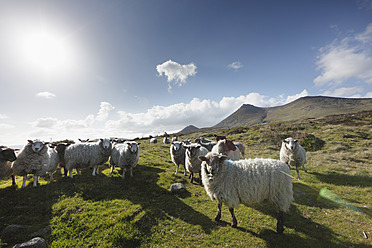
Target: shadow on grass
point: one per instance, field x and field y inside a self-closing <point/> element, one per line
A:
<point x="344" y="179"/>
<point x="307" y="232"/>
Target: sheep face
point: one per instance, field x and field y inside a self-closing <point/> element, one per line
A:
<point x="291" y="144"/>
<point x="191" y="150"/>
<point x="106" y="144"/>
<point x="176" y="145"/>
<point x="37" y="145"/>
<point x="133" y="147"/>
<point x="7" y="154"/>
<point x="212" y="163"/>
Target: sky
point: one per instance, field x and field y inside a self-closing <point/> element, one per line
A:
<point x="131" y="68"/>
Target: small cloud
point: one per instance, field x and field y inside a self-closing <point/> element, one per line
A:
<point x="344" y="92"/>
<point x="104" y="111"/>
<point x="2" y="117"/>
<point x="46" y="95"/>
<point x="176" y="72"/>
<point x="235" y="65"/>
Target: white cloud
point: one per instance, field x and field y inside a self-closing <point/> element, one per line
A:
<point x="2" y="117"/>
<point x="346" y="59"/>
<point x="235" y="65"/>
<point x="202" y="113"/>
<point x="344" y="92"/>
<point x="295" y="97"/>
<point x="104" y="111"/>
<point x="154" y="121"/>
<point x="46" y="95"/>
<point x="176" y="72"/>
<point x="59" y="125"/>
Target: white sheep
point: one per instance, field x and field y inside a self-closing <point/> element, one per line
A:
<point x="36" y="158"/>
<point x="126" y="156"/>
<point x="192" y="162"/>
<point x="7" y="156"/>
<point x="293" y="154"/>
<point x="247" y="181"/>
<point x="177" y="152"/>
<point x="153" y="140"/>
<point x="227" y="147"/>
<point x="174" y="139"/>
<point x="166" y="140"/>
<point x="84" y="155"/>
<point x="241" y="148"/>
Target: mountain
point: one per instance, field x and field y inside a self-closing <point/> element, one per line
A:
<point x="188" y="129"/>
<point x="302" y="108"/>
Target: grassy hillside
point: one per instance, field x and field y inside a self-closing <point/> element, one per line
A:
<point x="105" y="211"/>
<point x="303" y="108"/>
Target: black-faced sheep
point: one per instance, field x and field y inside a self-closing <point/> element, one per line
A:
<point x="7" y="156"/>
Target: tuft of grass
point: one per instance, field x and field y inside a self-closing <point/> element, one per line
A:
<point x="106" y="211"/>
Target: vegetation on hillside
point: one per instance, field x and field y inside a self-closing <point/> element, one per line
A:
<point x="106" y="211"/>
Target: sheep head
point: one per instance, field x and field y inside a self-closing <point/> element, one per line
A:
<point x="212" y="163"/>
<point x="133" y="146"/>
<point x="291" y="144"/>
<point x="191" y="149"/>
<point x="106" y="144"/>
<point x="37" y="146"/>
<point x="7" y="154"/>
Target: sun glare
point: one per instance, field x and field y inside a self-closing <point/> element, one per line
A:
<point x="45" y="51"/>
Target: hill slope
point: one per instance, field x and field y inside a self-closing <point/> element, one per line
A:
<point x="302" y="108"/>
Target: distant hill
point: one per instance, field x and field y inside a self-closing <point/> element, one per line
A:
<point x="302" y="108"/>
<point x="188" y="129"/>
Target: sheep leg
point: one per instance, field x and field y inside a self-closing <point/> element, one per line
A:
<point x="123" y="176"/>
<point x="298" y="173"/>
<point x="279" y="223"/>
<point x="13" y="180"/>
<point x="36" y="179"/>
<point x="131" y="172"/>
<point x="304" y="168"/>
<point x="200" y="179"/>
<point x="218" y="216"/>
<point x="70" y="173"/>
<point x="234" y="222"/>
<point x="184" y="169"/>
<point x="94" y="170"/>
<point x="24" y="181"/>
<point x="191" y="177"/>
<point x="65" y="172"/>
<point x="112" y="169"/>
<point x="176" y="169"/>
<point x="51" y="177"/>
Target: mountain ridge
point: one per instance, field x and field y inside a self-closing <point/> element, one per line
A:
<point x="302" y="108"/>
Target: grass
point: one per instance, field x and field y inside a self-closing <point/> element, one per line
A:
<point x="106" y="211"/>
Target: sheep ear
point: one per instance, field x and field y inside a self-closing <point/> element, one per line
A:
<point x="203" y="158"/>
<point x="30" y="141"/>
<point x="296" y="140"/>
<point x="139" y="143"/>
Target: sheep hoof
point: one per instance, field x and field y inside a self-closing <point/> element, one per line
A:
<point x="217" y="218"/>
<point x="234" y="225"/>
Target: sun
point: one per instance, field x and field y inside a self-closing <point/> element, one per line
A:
<point x="45" y="50"/>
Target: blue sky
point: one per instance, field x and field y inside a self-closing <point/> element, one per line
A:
<point x="90" y="69"/>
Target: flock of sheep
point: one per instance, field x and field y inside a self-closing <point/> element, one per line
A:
<point x="226" y="177"/>
<point x="231" y="180"/>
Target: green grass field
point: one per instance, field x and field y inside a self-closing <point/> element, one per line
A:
<point x="106" y="211"/>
